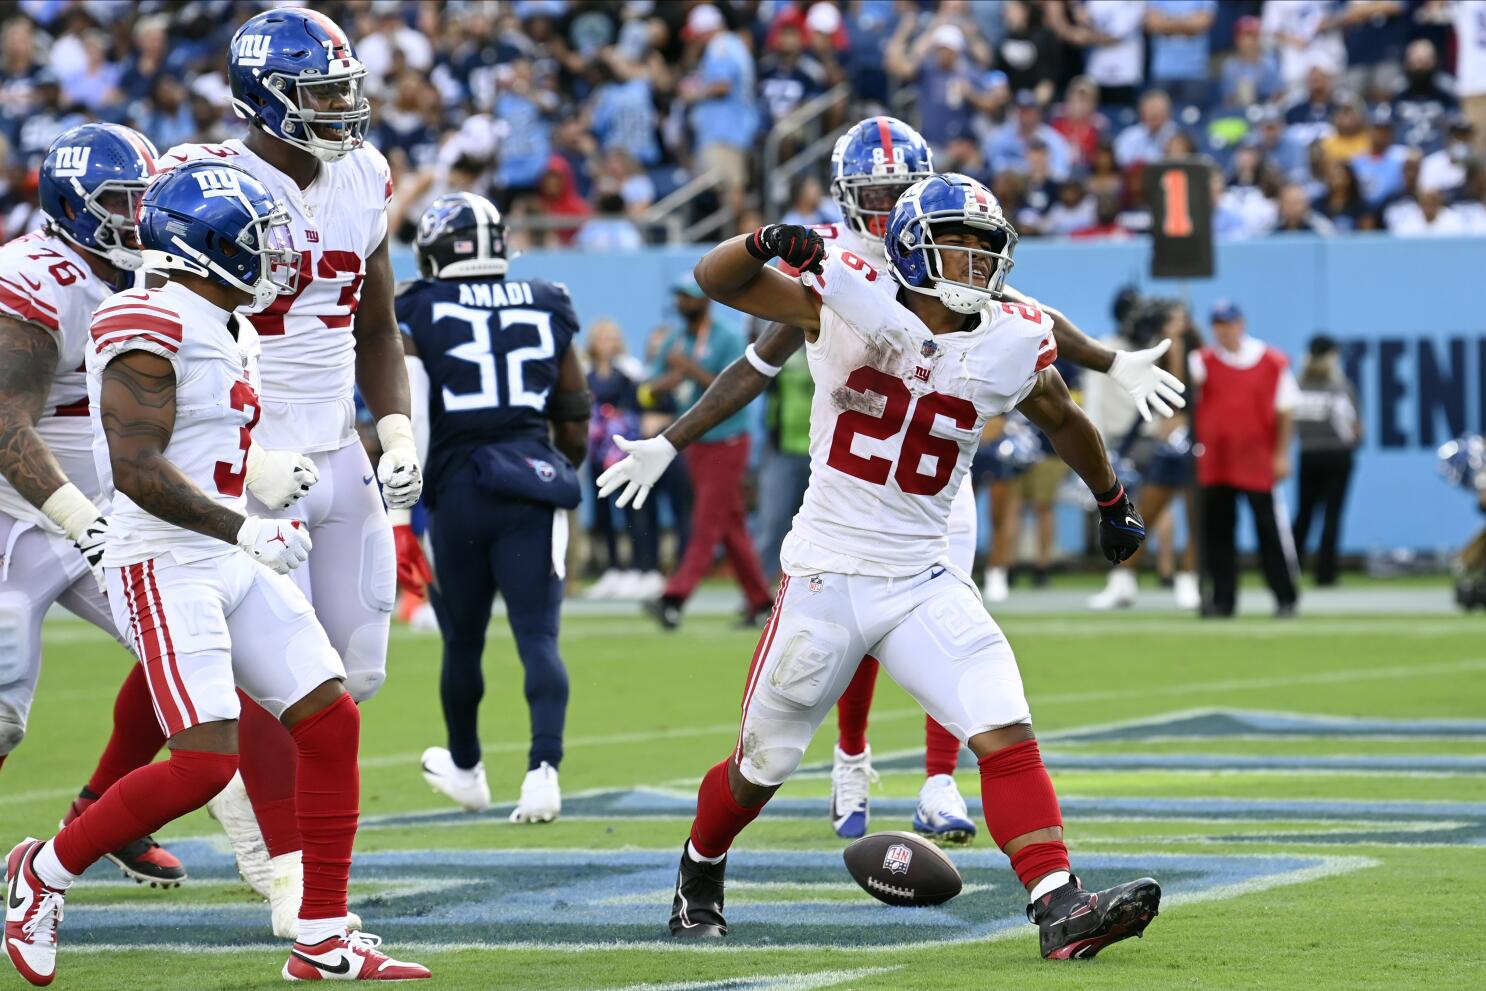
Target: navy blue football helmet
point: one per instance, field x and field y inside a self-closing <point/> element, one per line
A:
<point x="461" y="235"/>
<point x="941" y="205"/>
<point x="90" y="186"/>
<point x="295" y="75"/>
<point x="871" y="165"/>
<point x="215" y="220"/>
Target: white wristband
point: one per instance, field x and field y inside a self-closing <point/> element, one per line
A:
<point x="400" y="517"/>
<point x="71" y="510"/>
<point x="395" y="431"/>
<point x="759" y="364"/>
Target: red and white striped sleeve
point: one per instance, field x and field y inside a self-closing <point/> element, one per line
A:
<point x="134" y="321"/>
<point x="30" y="298"/>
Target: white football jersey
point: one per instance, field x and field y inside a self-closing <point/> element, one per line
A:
<point x="896" y="420"/>
<point x="45" y="282"/>
<point x="216" y="408"/>
<point x="309" y="354"/>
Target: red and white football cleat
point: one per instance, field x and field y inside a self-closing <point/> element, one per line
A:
<point x="32" y="911"/>
<point x="349" y="958"/>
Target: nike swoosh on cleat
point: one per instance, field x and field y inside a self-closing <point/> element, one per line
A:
<point x="344" y="968"/>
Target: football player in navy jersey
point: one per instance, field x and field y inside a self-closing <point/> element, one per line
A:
<point x="501" y="409"/>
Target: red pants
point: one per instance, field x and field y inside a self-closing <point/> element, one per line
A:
<point x="717" y="514"/>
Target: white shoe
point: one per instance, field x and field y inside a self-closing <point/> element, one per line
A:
<point x="286" y="891"/>
<point x="234" y="812"/>
<point x="626" y="586"/>
<point x="467" y="788"/>
<point x="541" y="798"/>
<point x="1119" y="591"/>
<point x="942" y="815"/>
<point x="604" y="587"/>
<point x="1184" y="588"/>
<point x="852" y="778"/>
<point x="354" y="957"/>
<point x="648" y="585"/>
<point x="996" y="588"/>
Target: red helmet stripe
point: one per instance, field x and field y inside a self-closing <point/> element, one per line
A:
<point x="137" y="141"/>
<point x="885" y="135"/>
<point x="331" y="28"/>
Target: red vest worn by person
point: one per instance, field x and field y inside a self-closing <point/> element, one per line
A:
<point x="1235" y="421"/>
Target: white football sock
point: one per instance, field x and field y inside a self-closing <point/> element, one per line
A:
<point x="1052" y="882"/>
<point x="691" y="852"/>
<point x="50" y="869"/>
<point x="312" y="931"/>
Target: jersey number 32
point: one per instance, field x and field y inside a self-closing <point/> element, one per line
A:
<point x="479" y="352"/>
<point x="918" y="442"/>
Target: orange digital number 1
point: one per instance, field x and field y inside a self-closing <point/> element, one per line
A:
<point x="1178" y="221"/>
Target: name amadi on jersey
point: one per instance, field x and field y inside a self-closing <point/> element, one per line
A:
<point x="216" y="408"/>
<point x="492" y="349"/>
<point x="45" y="282"/>
<point x="309" y="354"/>
<point x="896" y="419"/>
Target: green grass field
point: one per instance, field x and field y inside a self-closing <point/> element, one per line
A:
<point x="1312" y="795"/>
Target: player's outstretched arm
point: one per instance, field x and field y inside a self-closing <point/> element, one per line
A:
<point x="736" y="273"/>
<point x="28" y="358"/>
<point x="738" y="384"/>
<point x="137" y="407"/>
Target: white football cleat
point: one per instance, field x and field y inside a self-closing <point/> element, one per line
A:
<point x="468" y="788"/>
<point x="941" y="814"/>
<point x="234" y="812"/>
<point x="996" y="588"/>
<point x="287" y="891"/>
<point x="32" y="911"/>
<point x="647" y="585"/>
<point x="1119" y="591"/>
<point x="604" y="587"/>
<point x="541" y="798"/>
<point x="851" y="779"/>
<point x="1184" y="588"/>
<point x="354" y="957"/>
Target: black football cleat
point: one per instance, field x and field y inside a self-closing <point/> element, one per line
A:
<point x="143" y="860"/>
<point x="1076" y="924"/>
<point x="696" y="911"/>
<point x="666" y="612"/>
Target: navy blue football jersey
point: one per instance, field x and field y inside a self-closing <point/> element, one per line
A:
<point x="492" y="348"/>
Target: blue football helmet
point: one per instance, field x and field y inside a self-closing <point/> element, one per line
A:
<point x="90" y="186"/>
<point x="295" y="75"/>
<point x="215" y="220"/>
<point x="871" y="165"/>
<point x="945" y="204"/>
<point x="461" y="235"/>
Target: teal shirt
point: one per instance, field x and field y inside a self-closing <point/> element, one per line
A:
<point x="724" y="344"/>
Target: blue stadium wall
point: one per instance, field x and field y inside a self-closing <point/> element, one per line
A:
<point x="1411" y="315"/>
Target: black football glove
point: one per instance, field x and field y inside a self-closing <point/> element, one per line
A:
<point x="1121" y="530"/>
<point x="797" y="246"/>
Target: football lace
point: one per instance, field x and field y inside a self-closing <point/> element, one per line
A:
<point x="890" y="889"/>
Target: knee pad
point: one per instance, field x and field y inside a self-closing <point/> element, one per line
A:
<point x="12" y="729"/>
<point x="768" y="763"/>
<point x="16" y="647"/>
<point x="365" y="661"/>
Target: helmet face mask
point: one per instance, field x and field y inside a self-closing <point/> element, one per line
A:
<point x="115" y="204"/>
<point x="326" y="116"/>
<point x="90" y="187"/>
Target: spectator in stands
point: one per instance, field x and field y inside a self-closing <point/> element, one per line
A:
<point x="1425" y="215"/>
<point x="1179" y="145"/>
<point x="1472" y="205"/>
<point x="808" y="204"/>
<point x="1106" y="224"/>
<point x="1042" y="190"/>
<point x="1245" y="195"/>
<point x="1374" y="32"/>
<point x="609" y="229"/>
<point x="1314" y="109"/>
<point x="620" y="173"/>
<point x="166" y="115"/>
<point x="1380" y="170"/>
<point x="558" y="198"/>
<point x="1145" y="140"/>
<point x="623" y="108"/>
<point x="1010" y="189"/>
<point x="151" y="48"/>
<point x="1329" y="425"/>
<point x="1112" y="33"/>
<point x="1105" y="178"/>
<point x="95" y="82"/>
<point x="1278" y="144"/>
<point x="392" y="36"/>
<point x="720" y="96"/>
<point x="1470" y="68"/>
<point x="788" y="76"/>
<point x="1179" y="48"/>
<point x="1296" y="216"/>
<point x="1079" y="121"/>
<point x="46" y="119"/>
<point x="524" y="107"/>
<point x="1349" y="136"/>
<point x="1074" y="210"/>
<point x="1251" y="75"/>
<point x="964" y="156"/>
<point x="1028" y="51"/>
<point x="947" y="79"/>
<point x="1007" y="145"/>
<point x="1342" y="202"/>
<point x="1423" y="105"/>
<point x="1229" y="219"/>
<point x="1306" y="35"/>
<point x="1445" y="169"/>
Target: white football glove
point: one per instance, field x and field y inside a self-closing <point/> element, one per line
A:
<point x="1150" y="385"/>
<point x="398" y="471"/>
<point x="646" y="461"/>
<point x="279" y="545"/>
<point x="89" y="544"/>
<point x="76" y="516"/>
<point x="279" y="479"/>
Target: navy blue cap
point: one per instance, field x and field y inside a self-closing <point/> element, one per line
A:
<point x="1225" y="311"/>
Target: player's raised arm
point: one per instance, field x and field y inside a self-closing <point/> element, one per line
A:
<point x="1076" y="440"/>
<point x="736" y="274"/>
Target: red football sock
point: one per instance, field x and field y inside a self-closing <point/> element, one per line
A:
<point x="2" y="759"/>
<point x="141" y="802"/>
<point x="269" y="757"/>
<point x="1019" y="799"/>
<point x="328" y="795"/>
<point x="941" y="749"/>
<point x="137" y="736"/>
<point x="719" y="816"/>
<point x="853" y="706"/>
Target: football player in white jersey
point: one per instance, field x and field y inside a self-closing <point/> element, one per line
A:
<point x="871" y="165"/>
<point x="198" y="582"/>
<point x="909" y="364"/>
<point x="297" y="82"/>
<point x="51" y="508"/>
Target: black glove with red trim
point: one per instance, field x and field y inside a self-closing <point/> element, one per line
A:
<point x="1121" y="530"/>
<point x="797" y="246"/>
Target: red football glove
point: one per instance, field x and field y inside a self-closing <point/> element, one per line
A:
<point x="413" y="572"/>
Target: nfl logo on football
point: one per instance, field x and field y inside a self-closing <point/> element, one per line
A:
<point x="897" y="859"/>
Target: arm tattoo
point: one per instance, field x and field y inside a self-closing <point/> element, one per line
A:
<point x="137" y="403"/>
<point x="28" y="362"/>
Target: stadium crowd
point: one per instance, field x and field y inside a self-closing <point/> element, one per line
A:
<point x="578" y="115"/>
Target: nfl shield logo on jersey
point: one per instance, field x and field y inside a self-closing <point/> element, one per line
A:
<point x="929" y="349"/>
<point x="897" y="859"/>
<point x="816" y="583"/>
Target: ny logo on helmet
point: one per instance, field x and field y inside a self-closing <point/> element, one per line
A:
<point x="218" y="182"/>
<point x="72" y="161"/>
<point x="881" y="165"/>
<point x="252" y="49"/>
